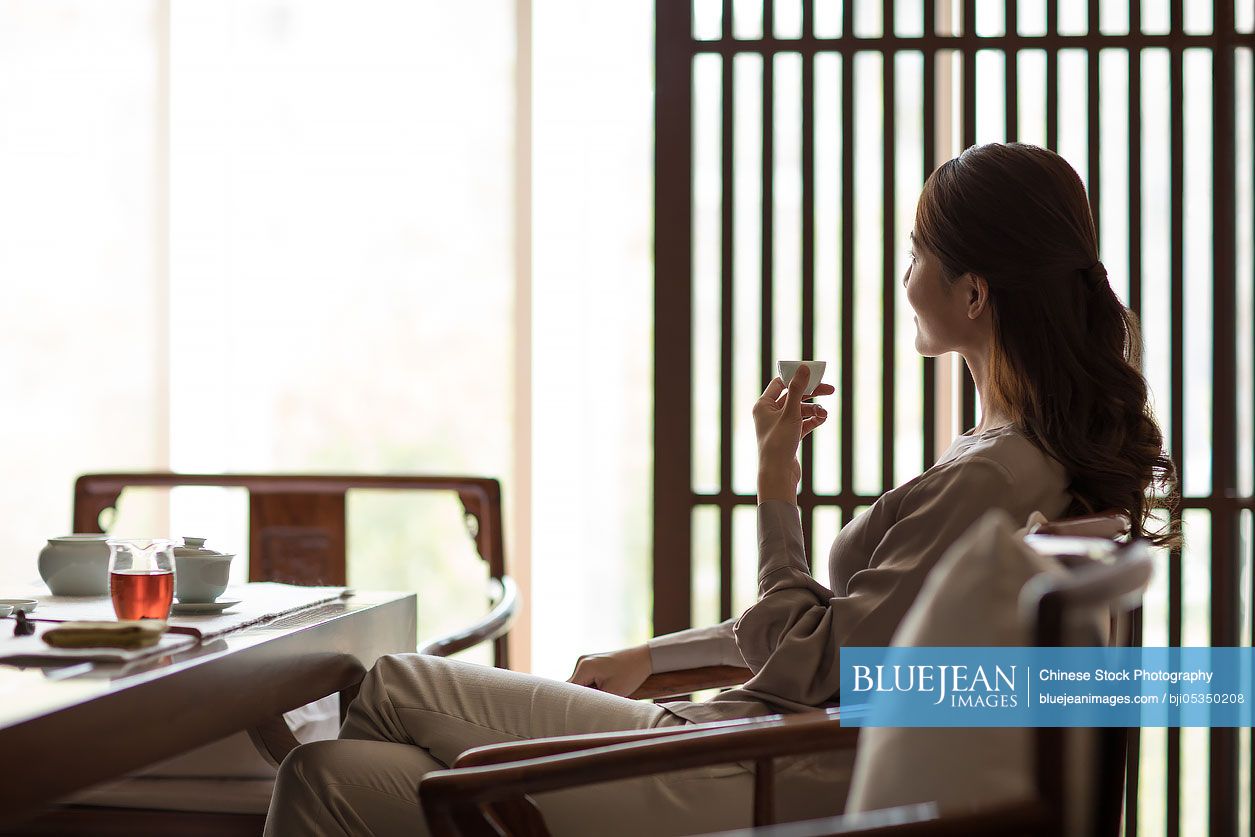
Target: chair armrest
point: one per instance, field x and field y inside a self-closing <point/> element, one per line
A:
<point x="923" y="820"/>
<point x="496" y="623"/>
<point x="452" y="797"/>
<point x="557" y="745"/>
<point x="688" y="680"/>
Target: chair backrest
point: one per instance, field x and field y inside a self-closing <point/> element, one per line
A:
<point x="1054" y="604"/>
<point x="297" y="521"/>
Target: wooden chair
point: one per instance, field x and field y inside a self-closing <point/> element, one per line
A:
<point x="486" y="791"/>
<point x="297" y="530"/>
<point x="1069" y="539"/>
<point x="297" y="535"/>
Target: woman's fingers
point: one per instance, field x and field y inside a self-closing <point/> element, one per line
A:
<point x="776" y="388"/>
<point x="797" y="386"/>
<point x="584" y="674"/>
<point x="773" y="390"/>
<point x="810" y="423"/>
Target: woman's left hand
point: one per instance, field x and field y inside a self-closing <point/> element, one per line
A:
<point x="781" y="420"/>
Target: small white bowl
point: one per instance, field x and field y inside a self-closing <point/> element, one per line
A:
<point x="789" y="367"/>
<point x="27" y="605"/>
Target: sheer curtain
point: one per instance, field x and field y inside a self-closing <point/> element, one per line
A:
<point x="279" y="236"/>
<point x="83" y="331"/>
<point x="258" y="236"/>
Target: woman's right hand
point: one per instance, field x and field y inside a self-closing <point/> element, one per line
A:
<point x="617" y="672"/>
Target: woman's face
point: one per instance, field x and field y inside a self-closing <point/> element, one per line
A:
<point x="947" y="314"/>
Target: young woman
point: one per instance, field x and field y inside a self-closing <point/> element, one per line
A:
<point x="1004" y="271"/>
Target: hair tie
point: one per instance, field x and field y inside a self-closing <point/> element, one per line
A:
<point x="1094" y="275"/>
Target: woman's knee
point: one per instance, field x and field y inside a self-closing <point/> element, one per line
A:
<point x="391" y="669"/>
<point x="393" y="768"/>
<point x="394" y="680"/>
<point x="349" y="787"/>
<point x="310" y="766"/>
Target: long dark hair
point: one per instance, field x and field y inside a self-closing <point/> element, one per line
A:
<point x="1066" y="360"/>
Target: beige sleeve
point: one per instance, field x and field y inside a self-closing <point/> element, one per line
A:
<point x="695" y="647"/>
<point x="792" y="637"/>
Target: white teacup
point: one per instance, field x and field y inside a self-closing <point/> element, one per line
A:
<point x="788" y="368"/>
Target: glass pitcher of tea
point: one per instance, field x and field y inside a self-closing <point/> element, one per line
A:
<point x="141" y="577"/>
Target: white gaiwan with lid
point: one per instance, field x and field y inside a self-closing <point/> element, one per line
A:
<point x="200" y="574"/>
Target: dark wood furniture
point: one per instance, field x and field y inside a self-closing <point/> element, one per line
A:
<point x="675" y="684"/>
<point x="486" y="791"/>
<point x="63" y="734"/>
<point x="297" y="530"/>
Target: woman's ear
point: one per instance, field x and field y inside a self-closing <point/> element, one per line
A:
<point x="977" y="295"/>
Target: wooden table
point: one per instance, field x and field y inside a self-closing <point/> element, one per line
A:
<point x="61" y="731"/>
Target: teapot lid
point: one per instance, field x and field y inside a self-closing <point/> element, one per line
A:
<point x="196" y="547"/>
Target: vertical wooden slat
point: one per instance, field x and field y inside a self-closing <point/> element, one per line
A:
<point x="891" y="241"/>
<point x="808" y="261"/>
<point x="768" y="193"/>
<point x="727" y="328"/>
<point x="968" y="396"/>
<point x="846" y="389"/>
<point x="1225" y="604"/>
<point x="1132" y="785"/>
<point x="1012" y="77"/>
<point x="1177" y="380"/>
<point x="1094" y="101"/>
<point x="767" y="249"/>
<point x="1250" y="338"/>
<point x="673" y="311"/>
<point x="1052" y="77"/>
<point x="928" y="151"/>
<point x="1133" y="764"/>
<point x="1135" y="164"/>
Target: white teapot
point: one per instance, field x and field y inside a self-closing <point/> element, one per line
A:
<point x="76" y="565"/>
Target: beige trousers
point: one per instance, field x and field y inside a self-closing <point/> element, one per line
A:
<point x="418" y="713"/>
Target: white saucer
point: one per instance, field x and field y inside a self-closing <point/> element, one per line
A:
<point x="203" y="607"/>
<point x="27" y="605"/>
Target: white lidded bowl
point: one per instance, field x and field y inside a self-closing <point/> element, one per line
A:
<point x="200" y="574"/>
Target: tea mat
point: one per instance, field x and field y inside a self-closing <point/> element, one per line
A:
<point x="260" y="602"/>
<point x="33" y="651"/>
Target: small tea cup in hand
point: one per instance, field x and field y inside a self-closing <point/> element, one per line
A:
<point x="788" y="368"/>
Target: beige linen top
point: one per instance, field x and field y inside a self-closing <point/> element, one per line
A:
<point x="791" y="637"/>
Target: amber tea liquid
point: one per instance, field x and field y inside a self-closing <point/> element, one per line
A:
<point x="141" y="595"/>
